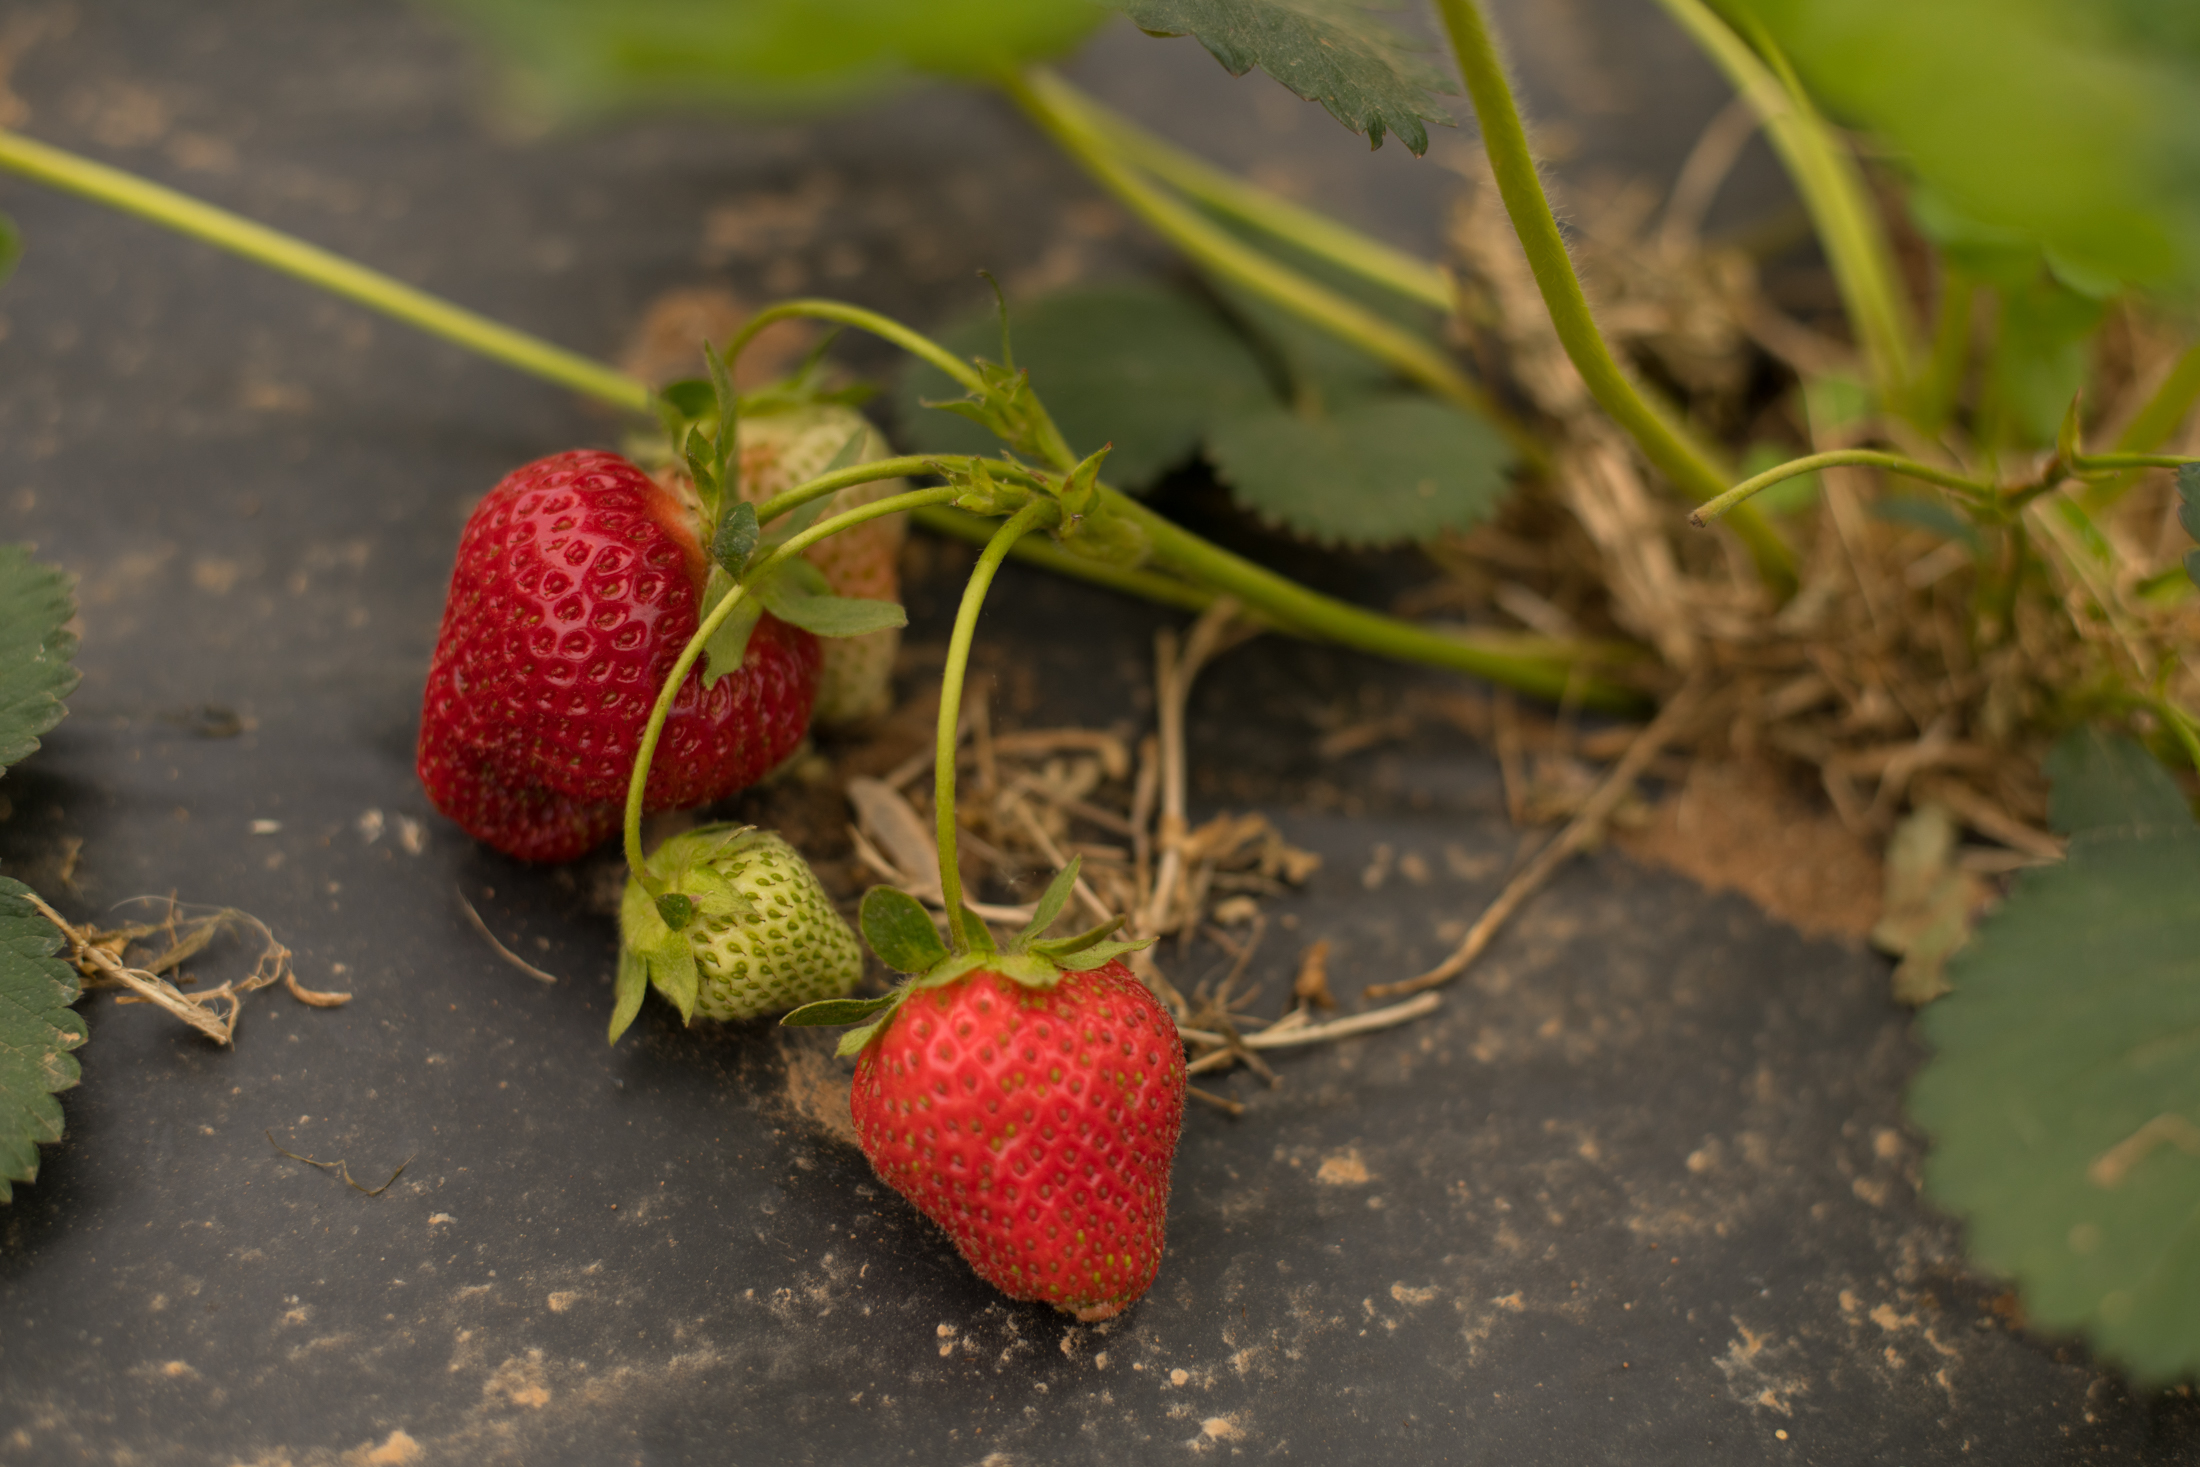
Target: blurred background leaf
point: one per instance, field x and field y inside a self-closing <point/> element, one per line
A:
<point x="2070" y="126"/>
<point x="581" y="56"/>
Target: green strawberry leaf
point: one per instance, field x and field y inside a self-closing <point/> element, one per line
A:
<point x="676" y="910"/>
<point x="35" y="647"/>
<point x="2103" y="785"/>
<point x="1368" y="74"/>
<point x="900" y="931"/>
<point x="11" y="247"/>
<point x="633" y="983"/>
<point x="796" y="597"/>
<point x="2063" y="1096"/>
<point x="672" y="969"/>
<point x="37" y="1031"/>
<point x="1061" y="947"/>
<point x="1100" y="954"/>
<point x="762" y="55"/>
<point x="736" y="539"/>
<point x="1373" y="471"/>
<point x="1050" y="904"/>
<point x="1140" y="366"/>
<point x="839" y="1010"/>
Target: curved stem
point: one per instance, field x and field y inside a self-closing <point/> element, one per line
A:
<point x="1533" y="665"/>
<point x="1982" y="494"/>
<point x="916" y="343"/>
<point x="317" y="266"/>
<point x="854" y="474"/>
<point x="1371" y="260"/>
<point x="1833" y="190"/>
<point x="951" y="688"/>
<point x="638" y="779"/>
<point x="1505" y="139"/>
<point x="1041" y="94"/>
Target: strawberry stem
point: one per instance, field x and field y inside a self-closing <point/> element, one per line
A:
<point x="332" y="272"/>
<point x="1029" y="518"/>
<point x="1041" y="94"/>
<point x="638" y="781"/>
<point x="1662" y="441"/>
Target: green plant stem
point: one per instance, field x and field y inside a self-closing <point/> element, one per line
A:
<point x="2090" y="461"/>
<point x="317" y="266"/>
<point x="951" y="689"/>
<point x="1045" y="554"/>
<point x="1533" y="665"/>
<point x="847" y="478"/>
<point x="1833" y="191"/>
<point x="1042" y="95"/>
<point x="1506" y="141"/>
<point x="1395" y="270"/>
<point x="1979" y="494"/>
<point x="638" y="779"/>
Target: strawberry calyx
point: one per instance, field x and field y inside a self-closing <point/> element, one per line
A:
<point x="701" y="420"/>
<point x="728" y="920"/>
<point x="901" y="932"/>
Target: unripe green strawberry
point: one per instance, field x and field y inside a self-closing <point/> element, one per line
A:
<point x="760" y="934"/>
<point x="789" y="446"/>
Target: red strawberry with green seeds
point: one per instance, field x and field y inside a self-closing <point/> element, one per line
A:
<point x="578" y="581"/>
<point x="1027" y="1101"/>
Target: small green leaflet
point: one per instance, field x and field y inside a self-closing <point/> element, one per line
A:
<point x="35" y="674"/>
<point x="2188" y="514"/>
<point x="1373" y="471"/>
<point x="833" y="1011"/>
<point x="1062" y="947"/>
<point x="791" y="596"/>
<point x="11" y="247"/>
<point x="1140" y="366"/>
<point x="723" y="652"/>
<point x="900" y="931"/>
<point x="631" y="988"/>
<point x="763" y="55"/>
<point x="2063" y="1096"/>
<point x="1370" y="76"/>
<point x="736" y="539"/>
<point x="1086" y="959"/>
<point x="1050" y="904"/>
<point x="37" y="1031"/>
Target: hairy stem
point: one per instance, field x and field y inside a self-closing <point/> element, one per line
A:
<point x="1371" y="260"/>
<point x="317" y="266"/>
<point x="1506" y="141"/>
<point x="1833" y="191"/>
<point x="1970" y="489"/>
<point x="1041" y="94"/>
<point x="951" y="688"/>
<point x="638" y="780"/>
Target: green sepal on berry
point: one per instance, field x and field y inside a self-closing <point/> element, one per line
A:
<point x="901" y="932"/>
<point x="761" y="935"/>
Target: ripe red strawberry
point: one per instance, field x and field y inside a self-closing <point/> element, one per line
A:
<point x="1035" y="1121"/>
<point x="577" y="584"/>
